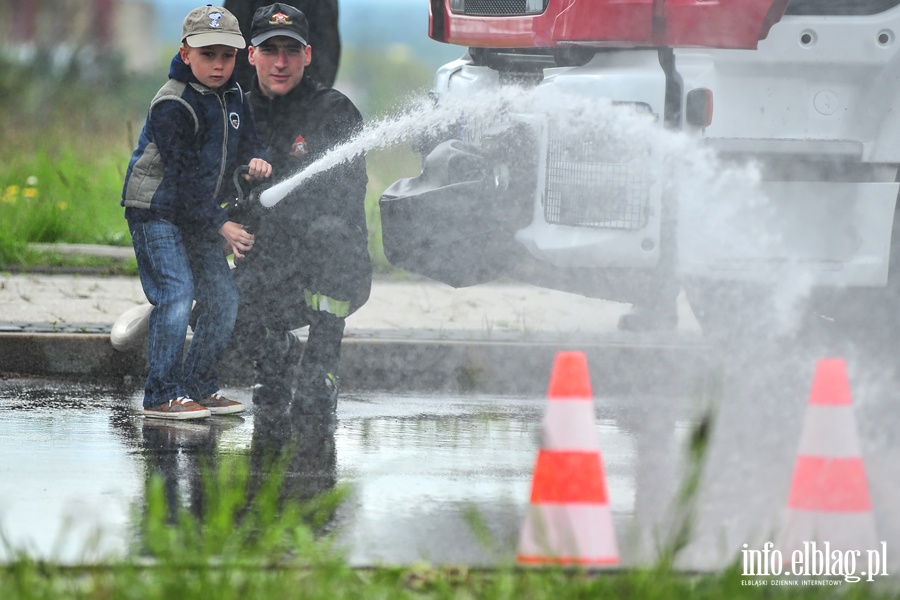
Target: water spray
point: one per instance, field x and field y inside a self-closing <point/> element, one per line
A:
<point x="708" y="191"/>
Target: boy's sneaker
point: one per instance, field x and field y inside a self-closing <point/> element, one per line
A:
<point x="179" y="408"/>
<point x="218" y="404"/>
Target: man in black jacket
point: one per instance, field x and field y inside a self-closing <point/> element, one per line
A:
<point x="310" y="263"/>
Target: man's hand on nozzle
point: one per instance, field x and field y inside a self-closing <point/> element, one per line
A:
<point x="258" y="169"/>
<point x="237" y="237"/>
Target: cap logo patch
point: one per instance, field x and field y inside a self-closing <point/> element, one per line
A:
<point x="235" y="119"/>
<point x="280" y="19"/>
<point x="214" y="19"/>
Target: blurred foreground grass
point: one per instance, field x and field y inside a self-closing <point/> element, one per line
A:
<point x="252" y="541"/>
<point x="250" y="532"/>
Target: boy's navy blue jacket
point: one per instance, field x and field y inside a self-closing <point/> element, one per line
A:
<point x="193" y="140"/>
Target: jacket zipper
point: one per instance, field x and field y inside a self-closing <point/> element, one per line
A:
<point x="221" y="177"/>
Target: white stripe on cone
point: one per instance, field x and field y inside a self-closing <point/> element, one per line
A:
<point x="569" y="425"/>
<point x="568" y="520"/>
<point x="829" y="497"/>
<point x="820" y="428"/>
<point x="568" y="533"/>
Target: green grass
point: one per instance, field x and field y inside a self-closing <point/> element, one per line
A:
<point x="67" y="141"/>
<point x="62" y="196"/>
<point x="64" y="154"/>
<point x="58" y="199"/>
<point x="250" y="539"/>
<point x="252" y="542"/>
<point x="75" y="200"/>
<point x="30" y="259"/>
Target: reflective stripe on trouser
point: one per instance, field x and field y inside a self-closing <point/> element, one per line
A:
<point x="321" y="302"/>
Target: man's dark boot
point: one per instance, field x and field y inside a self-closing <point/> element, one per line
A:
<point x="317" y="394"/>
<point x="317" y="389"/>
<point x="273" y="376"/>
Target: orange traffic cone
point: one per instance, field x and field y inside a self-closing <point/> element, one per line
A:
<point x="829" y="497"/>
<point x="568" y="519"/>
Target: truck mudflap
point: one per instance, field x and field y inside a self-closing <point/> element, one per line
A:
<point x="454" y="222"/>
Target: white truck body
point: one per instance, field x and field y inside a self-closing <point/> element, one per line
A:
<point x="816" y="107"/>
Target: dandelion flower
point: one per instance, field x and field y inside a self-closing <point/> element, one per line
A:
<point x="62" y="205"/>
<point x="32" y="180"/>
<point x="30" y="192"/>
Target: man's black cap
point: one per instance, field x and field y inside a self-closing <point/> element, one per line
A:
<point x="278" y="20"/>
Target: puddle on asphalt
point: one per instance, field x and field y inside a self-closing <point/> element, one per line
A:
<point x="77" y="459"/>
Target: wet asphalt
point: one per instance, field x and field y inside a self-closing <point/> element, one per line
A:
<point x="438" y="427"/>
<point x="421" y="466"/>
<point x="78" y="457"/>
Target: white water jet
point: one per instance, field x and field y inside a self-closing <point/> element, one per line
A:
<point x="721" y="207"/>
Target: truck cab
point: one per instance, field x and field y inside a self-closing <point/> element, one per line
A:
<point x="746" y="151"/>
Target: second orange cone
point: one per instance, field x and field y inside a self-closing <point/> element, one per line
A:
<point x="568" y="519"/>
<point x="829" y="498"/>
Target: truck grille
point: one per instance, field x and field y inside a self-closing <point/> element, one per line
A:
<point x="594" y="183"/>
<point x="499" y="8"/>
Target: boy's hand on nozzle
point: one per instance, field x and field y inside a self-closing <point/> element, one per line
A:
<point x="237" y="237"/>
<point x="258" y="169"/>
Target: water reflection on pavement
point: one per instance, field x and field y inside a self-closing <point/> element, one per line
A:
<point x="78" y="457"/>
<point x="420" y="469"/>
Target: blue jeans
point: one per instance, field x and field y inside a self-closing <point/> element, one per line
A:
<point x="175" y="270"/>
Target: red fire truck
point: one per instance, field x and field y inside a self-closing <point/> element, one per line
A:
<point x="803" y="90"/>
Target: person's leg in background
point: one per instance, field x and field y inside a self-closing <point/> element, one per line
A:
<point x="656" y="311"/>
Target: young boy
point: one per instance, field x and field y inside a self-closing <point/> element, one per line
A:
<point x="198" y="131"/>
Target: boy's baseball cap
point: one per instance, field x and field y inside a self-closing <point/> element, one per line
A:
<point x="211" y="25"/>
<point x="278" y="20"/>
